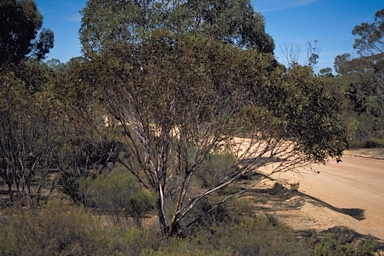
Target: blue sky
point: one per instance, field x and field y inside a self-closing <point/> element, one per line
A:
<point x="289" y="22"/>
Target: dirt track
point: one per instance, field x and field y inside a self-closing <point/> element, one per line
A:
<point x="351" y="194"/>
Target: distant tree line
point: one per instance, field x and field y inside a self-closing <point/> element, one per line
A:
<point x="362" y="79"/>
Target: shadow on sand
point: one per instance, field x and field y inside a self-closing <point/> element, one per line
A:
<point x="280" y="195"/>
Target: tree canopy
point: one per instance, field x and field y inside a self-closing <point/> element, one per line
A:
<point x="21" y="33"/>
<point x="187" y="79"/>
<point x="370" y="36"/>
<point x="108" y="23"/>
<point x="362" y="78"/>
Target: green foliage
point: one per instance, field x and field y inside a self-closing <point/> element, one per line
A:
<point x="331" y="245"/>
<point x="326" y="72"/>
<point x="67" y="230"/>
<point x="84" y="158"/>
<point x="248" y="236"/>
<point x="75" y="88"/>
<point x="69" y="184"/>
<point x="234" y="22"/>
<point x="370" y="36"/>
<point x="118" y="195"/>
<point x="139" y="204"/>
<point x="306" y="108"/>
<point x="182" y="78"/>
<point x="213" y="167"/>
<point x="50" y="231"/>
<point x="34" y="74"/>
<point x="374" y="143"/>
<point x="362" y="81"/>
<point x="31" y="129"/>
<point x="20" y="23"/>
<point x="363" y="86"/>
<point x="188" y="85"/>
<point x="205" y="214"/>
<point x="180" y="96"/>
<point x="55" y="64"/>
<point x="59" y="229"/>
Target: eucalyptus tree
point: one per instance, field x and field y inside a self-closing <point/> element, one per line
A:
<point x="30" y="130"/>
<point x="370" y="36"/>
<point x="181" y="80"/>
<point x="21" y="32"/>
<point x="364" y="77"/>
<point x="106" y="22"/>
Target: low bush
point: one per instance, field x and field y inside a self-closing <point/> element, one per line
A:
<point x="250" y="236"/>
<point x="50" y="231"/>
<point x="139" y="204"/>
<point x="356" y="144"/>
<point x="213" y="167"/>
<point x="70" y="230"/>
<point x="374" y="143"/>
<point x="117" y="195"/>
<point x="342" y="241"/>
<point x="69" y="184"/>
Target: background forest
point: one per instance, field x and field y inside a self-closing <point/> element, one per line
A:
<point x="139" y="145"/>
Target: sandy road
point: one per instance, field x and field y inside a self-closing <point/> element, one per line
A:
<point x="353" y="188"/>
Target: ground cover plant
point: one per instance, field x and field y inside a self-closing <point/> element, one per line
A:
<point x="64" y="229"/>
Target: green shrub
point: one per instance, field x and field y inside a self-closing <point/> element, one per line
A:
<point x="139" y="204"/>
<point x="130" y="242"/>
<point x="69" y="184"/>
<point x="213" y="167"/>
<point x="50" y="231"/>
<point x="201" y="215"/>
<point x="374" y="143"/>
<point x="118" y="195"/>
<point x="250" y="236"/>
<point x="332" y="246"/>
<point x="183" y="247"/>
<point x="255" y="236"/>
<point x="68" y="230"/>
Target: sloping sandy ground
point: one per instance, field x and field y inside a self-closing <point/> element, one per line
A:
<point x="349" y="193"/>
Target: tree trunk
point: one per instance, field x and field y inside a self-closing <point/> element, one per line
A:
<point x="164" y="226"/>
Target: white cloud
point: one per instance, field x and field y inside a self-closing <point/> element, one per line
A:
<point x="76" y="18"/>
<point x="276" y="5"/>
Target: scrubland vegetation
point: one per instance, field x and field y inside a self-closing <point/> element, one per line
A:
<point x="145" y="144"/>
<point x="62" y="227"/>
